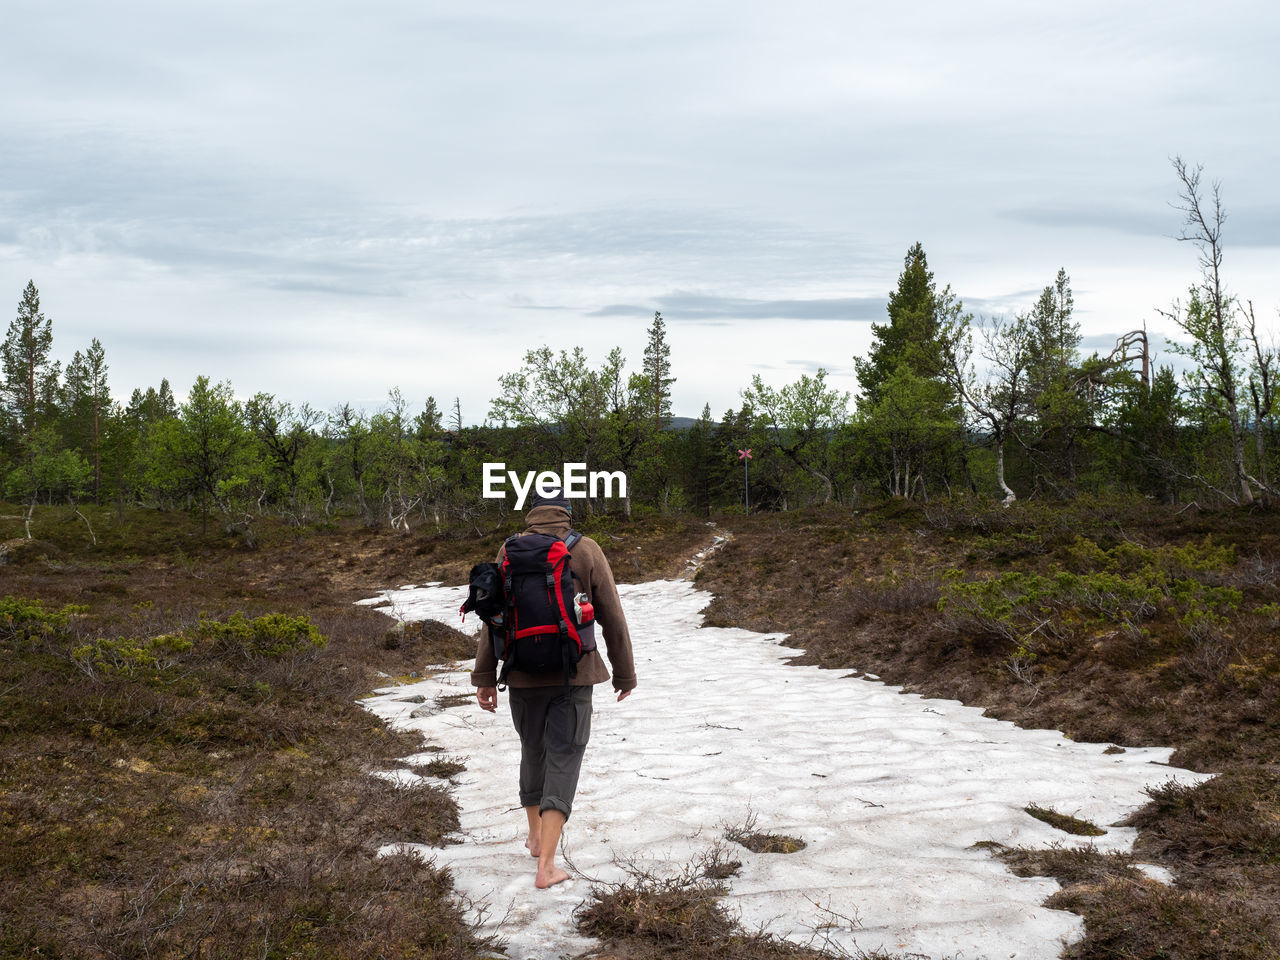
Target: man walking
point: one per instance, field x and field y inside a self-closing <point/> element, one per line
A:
<point x="554" y="723"/>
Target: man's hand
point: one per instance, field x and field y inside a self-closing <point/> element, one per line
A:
<point x="488" y="698"/>
<point x="623" y="694"/>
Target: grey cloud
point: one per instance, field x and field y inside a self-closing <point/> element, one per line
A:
<point x="694" y="307"/>
<point x="1099" y="341"/>
<point x="1257" y="226"/>
<point x="302" y="285"/>
<point x="1158" y="346"/>
<point x="90" y="193"/>
<point x="1013" y="302"/>
<point x="1254" y="227"/>
<point x="1143" y="222"/>
<point x="810" y="367"/>
<point x="382" y="257"/>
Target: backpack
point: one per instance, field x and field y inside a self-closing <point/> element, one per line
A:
<point x="538" y="621"/>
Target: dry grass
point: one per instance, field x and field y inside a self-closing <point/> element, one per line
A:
<point x="680" y="916"/>
<point x="747" y="835"/>
<point x="206" y="805"/>
<point x="1064" y="822"/>
<point x="443" y="767"/>
<point x="1130" y="915"/>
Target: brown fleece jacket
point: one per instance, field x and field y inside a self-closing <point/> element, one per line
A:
<point x="595" y="578"/>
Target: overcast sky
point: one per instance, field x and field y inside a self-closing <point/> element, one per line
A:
<point x="324" y="200"/>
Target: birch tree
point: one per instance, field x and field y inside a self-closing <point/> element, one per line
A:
<point x="997" y="399"/>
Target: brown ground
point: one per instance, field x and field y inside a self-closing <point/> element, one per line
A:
<point x="210" y="804"/>
<point x="216" y="801"/>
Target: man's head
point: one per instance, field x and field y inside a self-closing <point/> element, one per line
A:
<point x="555" y="499"/>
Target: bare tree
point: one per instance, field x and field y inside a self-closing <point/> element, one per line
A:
<point x="1262" y="394"/>
<point x="1211" y="317"/>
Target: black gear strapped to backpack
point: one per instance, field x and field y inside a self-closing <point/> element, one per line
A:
<point x="538" y="621"/>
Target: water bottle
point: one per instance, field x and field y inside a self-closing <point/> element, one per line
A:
<point x="583" y="611"/>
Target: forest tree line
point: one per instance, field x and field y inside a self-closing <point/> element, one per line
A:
<point x="947" y="404"/>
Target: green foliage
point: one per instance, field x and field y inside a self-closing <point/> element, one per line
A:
<point x="1125" y="585"/>
<point x="1154" y="447"/>
<point x="48" y="469"/>
<point x="927" y="425"/>
<point x="132" y="657"/>
<point x="1169" y="561"/>
<point x="564" y="411"/>
<point x="1203" y="611"/>
<point x="23" y="619"/>
<point x="799" y="421"/>
<point x="1021" y="606"/>
<point x="1269" y="610"/>
<point x="202" y="452"/>
<point x="910" y="433"/>
<point x="1053" y="343"/>
<point x="273" y="636"/>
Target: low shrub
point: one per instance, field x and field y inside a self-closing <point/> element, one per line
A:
<point x="1125" y="585"/>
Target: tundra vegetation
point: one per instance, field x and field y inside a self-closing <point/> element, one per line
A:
<point x="1083" y="543"/>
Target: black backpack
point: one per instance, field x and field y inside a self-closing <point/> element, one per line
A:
<point x="538" y="621"/>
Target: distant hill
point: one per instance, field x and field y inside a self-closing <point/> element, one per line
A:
<point x="684" y="423"/>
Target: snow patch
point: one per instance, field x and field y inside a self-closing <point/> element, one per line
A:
<point x="1156" y="872"/>
<point x="889" y="791"/>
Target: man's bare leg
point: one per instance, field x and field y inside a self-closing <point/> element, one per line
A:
<point x="534" y="843"/>
<point x="548" y="873"/>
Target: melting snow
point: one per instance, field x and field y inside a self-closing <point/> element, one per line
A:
<point x="889" y="791"/>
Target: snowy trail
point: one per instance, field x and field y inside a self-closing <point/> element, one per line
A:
<point x="889" y="790"/>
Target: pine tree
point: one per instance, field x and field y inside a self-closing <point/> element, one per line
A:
<point x="86" y="402"/>
<point x="100" y="406"/>
<point x="910" y="359"/>
<point x="430" y="421"/>
<point x="1053" y="361"/>
<point x="657" y="371"/>
<point x="153" y="406"/>
<point x="912" y="334"/>
<point x="24" y="356"/>
<point x="1054" y="337"/>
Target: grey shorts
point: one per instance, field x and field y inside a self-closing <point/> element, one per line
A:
<point x="554" y="728"/>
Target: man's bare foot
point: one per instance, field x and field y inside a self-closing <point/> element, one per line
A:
<point x="549" y="877"/>
<point x="534" y="845"/>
